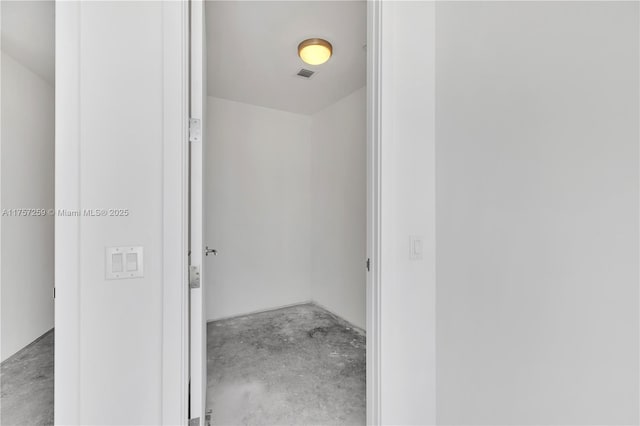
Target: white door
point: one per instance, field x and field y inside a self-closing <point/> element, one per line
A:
<point x="198" y="329"/>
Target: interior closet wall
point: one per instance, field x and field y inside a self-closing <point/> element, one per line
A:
<point x="257" y="211"/>
<point x="338" y="207"/>
<point x="285" y="208"/>
<point x="27" y="183"/>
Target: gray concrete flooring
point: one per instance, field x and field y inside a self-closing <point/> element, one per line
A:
<point x="294" y="366"/>
<point x="299" y="365"/>
<point x="26" y="385"/>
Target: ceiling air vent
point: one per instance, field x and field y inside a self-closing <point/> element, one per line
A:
<point x="305" y="73"/>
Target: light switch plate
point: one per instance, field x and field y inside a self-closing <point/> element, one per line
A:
<point x="118" y="262"/>
<point x="417" y="247"/>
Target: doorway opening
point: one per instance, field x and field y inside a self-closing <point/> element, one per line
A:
<point x="285" y="208"/>
<point x="27" y="220"/>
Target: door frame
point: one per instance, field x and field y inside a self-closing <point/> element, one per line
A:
<point x="197" y="111"/>
<point x="374" y="210"/>
<point x="175" y="317"/>
<point x="175" y="204"/>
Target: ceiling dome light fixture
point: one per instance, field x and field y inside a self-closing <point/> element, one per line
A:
<point x="315" y="51"/>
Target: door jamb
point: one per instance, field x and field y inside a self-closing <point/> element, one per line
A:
<point x="374" y="209"/>
<point x="175" y="308"/>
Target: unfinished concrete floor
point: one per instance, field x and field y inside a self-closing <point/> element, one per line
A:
<point x="26" y="385"/>
<point x="293" y="366"/>
<point x="299" y="365"/>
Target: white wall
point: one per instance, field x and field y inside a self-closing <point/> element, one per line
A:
<point x="407" y="305"/>
<point x="537" y="207"/>
<point x="338" y="207"/>
<point x="285" y="208"/>
<point x="120" y="143"/>
<point x="27" y="182"/>
<point x="257" y="183"/>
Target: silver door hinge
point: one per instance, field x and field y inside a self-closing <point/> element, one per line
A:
<point x="195" y="130"/>
<point x="194" y="422"/>
<point x="368" y="264"/>
<point x="194" y="276"/>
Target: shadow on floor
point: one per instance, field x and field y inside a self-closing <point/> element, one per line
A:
<point x="299" y="365"/>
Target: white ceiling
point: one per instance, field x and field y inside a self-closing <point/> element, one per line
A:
<point x="253" y="57"/>
<point x="28" y="35"/>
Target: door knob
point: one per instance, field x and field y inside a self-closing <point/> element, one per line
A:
<point x="208" y="251"/>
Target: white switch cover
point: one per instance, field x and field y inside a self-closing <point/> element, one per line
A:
<point x="132" y="262"/>
<point x="123" y="262"/>
<point x="417" y="247"/>
<point x="116" y="262"/>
